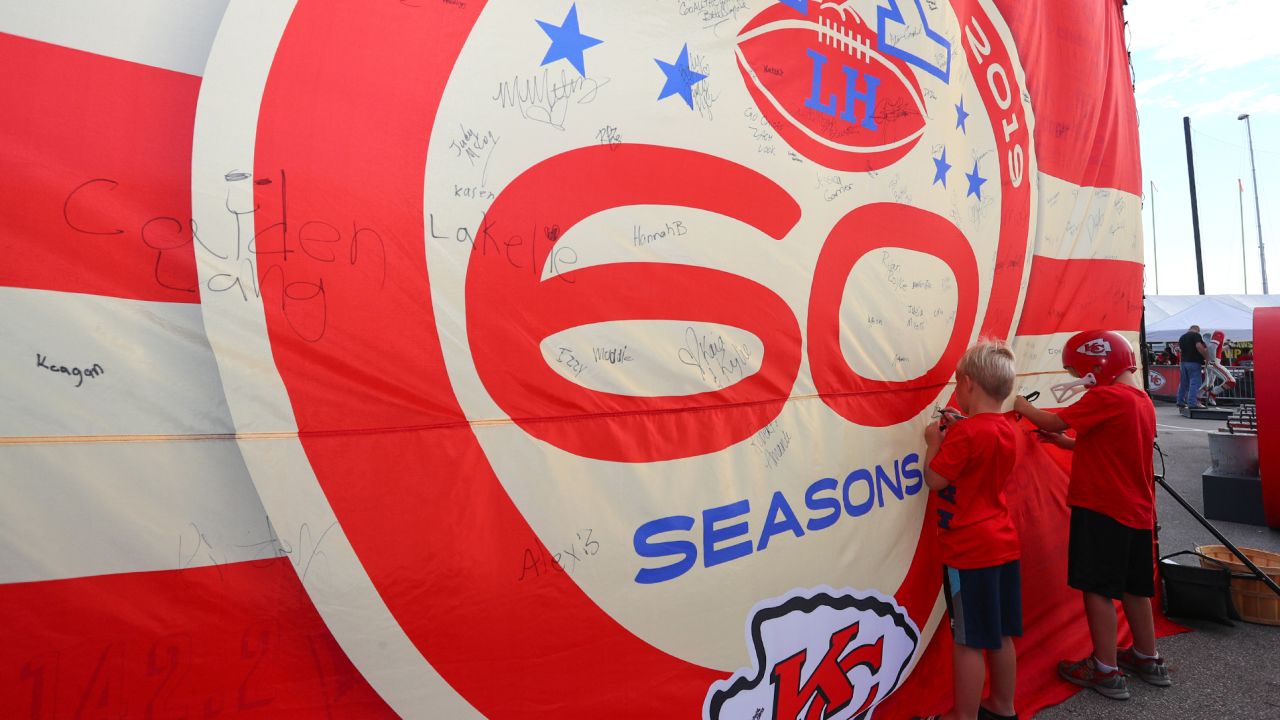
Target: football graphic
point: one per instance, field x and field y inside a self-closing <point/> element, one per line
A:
<point x="824" y="85"/>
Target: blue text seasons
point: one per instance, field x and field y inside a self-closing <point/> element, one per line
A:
<point x="727" y="530"/>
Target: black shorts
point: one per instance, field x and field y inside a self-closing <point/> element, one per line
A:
<point x="985" y="604"/>
<point x="1108" y="558"/>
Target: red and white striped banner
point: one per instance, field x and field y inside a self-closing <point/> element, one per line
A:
<point x="518" y="359"/>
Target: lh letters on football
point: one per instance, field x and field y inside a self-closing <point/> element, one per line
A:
<point x="822" y="79"/>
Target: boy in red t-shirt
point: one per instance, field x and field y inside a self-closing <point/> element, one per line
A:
<point x="967" y="465"/>
<point x="1110" y="555"/>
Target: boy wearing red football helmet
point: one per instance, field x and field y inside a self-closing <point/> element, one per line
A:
<point x="1112" y="498"/>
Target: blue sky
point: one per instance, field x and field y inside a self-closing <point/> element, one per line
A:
<point x="1211" y="60"/>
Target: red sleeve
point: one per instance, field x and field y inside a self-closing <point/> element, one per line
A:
<point x="1087" y="412"/>
<point x="954" y="453"/>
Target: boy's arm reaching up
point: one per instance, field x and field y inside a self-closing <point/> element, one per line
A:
<point x="1063" y="441"/>
<point x="1042" y="419"/>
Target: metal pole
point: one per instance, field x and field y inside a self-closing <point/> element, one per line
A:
<point x="1244" y="267"/>
<point x="1195" y="209"/>
<point x="1257" y="203"/>
<point x="1155" y="252"/>
<point x="1142" y="346"/>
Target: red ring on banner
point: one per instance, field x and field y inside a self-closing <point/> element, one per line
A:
<point x="861" y="400"/>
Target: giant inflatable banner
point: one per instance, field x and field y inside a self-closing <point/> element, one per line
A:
<point x="538" y="358"/>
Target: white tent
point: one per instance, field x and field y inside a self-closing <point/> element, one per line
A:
<point x="1169" y="316"/>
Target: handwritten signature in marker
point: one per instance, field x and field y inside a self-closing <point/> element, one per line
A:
<point x="718" y="361"/>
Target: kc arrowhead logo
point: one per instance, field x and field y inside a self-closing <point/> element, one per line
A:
<point x="829" y="655"/>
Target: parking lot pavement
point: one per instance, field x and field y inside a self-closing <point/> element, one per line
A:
<point x="1218" y="672"/>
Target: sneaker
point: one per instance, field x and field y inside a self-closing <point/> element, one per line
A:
<point x="1086" y="674"/>
<point x="1152" y="670"/>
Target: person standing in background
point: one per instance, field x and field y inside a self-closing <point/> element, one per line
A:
<point x="1193" y="351"/>
<point x="1217" y="379"/>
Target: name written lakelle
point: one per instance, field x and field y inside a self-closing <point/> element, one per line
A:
<point x="518" y="253"/>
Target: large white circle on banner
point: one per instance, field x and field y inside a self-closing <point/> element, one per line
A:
<point x="623" y="324"/>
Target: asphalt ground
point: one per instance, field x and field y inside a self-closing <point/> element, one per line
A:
<point x="1218" y="672"/>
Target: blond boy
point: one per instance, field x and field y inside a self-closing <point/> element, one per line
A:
<point x="967" y="465"/>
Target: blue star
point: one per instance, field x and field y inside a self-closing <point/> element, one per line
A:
<point x="961" y="116"/>
<point x="680" y="79"/>
<point x="567" y="41"/>
<point x="975" y="182"/>
<point x="940" y="168"/>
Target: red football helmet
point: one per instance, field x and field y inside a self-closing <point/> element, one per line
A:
<point x="1097" y="357"/>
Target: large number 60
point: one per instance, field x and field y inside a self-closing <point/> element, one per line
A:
<point x="563" y="190"/>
